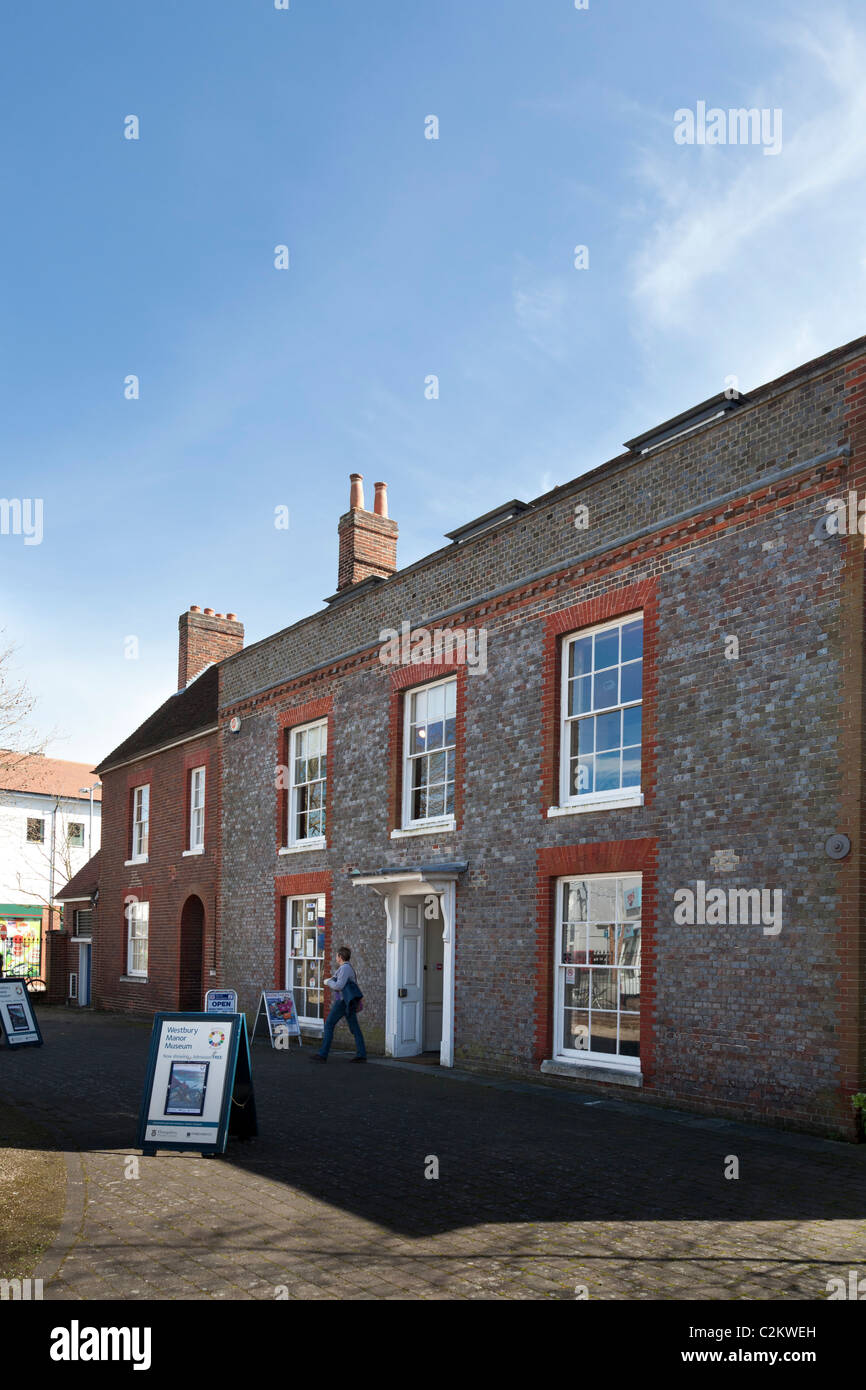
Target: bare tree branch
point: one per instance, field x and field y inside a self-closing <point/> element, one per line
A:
<point x="18" y="739"/>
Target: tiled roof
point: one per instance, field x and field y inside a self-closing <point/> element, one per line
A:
<point x="45" y="776"/>
<point x="191" y="709"/>
<point x="83" y="884"/>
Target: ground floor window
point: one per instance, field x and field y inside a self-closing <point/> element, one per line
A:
<point x="598" y="968"/>
<point x="305" y="948"/>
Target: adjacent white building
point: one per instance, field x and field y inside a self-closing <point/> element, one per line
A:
<point x="50" y="820"/>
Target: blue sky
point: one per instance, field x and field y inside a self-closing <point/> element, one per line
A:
<point x="409" y="257"/>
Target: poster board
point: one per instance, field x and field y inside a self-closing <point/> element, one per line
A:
<point x="199" y="1087"/>
<point x="17" y="1019"/>
<point x="277" y="1006"/>
<point x="221" y="1001"/>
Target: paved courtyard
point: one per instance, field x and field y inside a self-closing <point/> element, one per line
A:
<point x="540" y="1193"/>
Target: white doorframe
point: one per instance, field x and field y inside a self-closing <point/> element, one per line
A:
<point x="392" y="889"/>
<point x="446" y="889"/>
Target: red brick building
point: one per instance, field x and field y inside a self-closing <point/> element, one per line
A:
<point x="158" y="947"/>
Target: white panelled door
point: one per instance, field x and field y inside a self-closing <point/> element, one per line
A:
<point x="410" y="979"/>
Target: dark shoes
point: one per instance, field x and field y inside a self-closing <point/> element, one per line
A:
<point x="317" y="1057"/>
<point x="357" y="1059"/>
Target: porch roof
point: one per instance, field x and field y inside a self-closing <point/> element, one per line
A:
<point x="439" y="869"/>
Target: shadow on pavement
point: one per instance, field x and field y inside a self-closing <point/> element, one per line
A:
<point x="359" y="1139"/>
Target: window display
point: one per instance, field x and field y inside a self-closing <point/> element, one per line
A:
<point x="305" y="923"/>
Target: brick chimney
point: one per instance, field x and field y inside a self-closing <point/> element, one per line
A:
<point x="368" y="540"/>
<point x="205" y="637"/>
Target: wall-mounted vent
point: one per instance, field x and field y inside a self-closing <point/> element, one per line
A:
<point x="73" y="985"/>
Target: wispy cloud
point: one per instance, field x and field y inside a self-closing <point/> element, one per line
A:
<point x="539" y="308"/>
<point x="765" y="249"/>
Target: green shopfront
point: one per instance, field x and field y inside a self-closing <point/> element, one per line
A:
<point x="22" y="941"/>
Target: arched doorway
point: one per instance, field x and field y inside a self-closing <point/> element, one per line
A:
<point x="190" y="997"/>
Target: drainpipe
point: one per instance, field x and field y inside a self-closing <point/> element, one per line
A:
<point x="51" y="865"/>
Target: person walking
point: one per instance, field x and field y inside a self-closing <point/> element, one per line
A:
<point x="347" y="998"/>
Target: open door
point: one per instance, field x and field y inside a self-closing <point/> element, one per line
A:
<point x="410" y="979"/>
<point x="419" y="1003"/>
<point x="84" y="957"/>
<point x="191" y="955"/>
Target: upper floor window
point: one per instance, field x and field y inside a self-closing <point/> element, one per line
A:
<point x="82" y="921"/>
<point x="196" y="808"/>
<point x="430" y="753"/>
<point x="35" y="830"/>
<point x="140" y="821"/>
<point x="307" y="794"/>
<point x="602" y="687"/>
<point x="75" y="834"/>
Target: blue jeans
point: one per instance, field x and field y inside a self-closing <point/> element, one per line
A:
<point x="338" y="1011"/>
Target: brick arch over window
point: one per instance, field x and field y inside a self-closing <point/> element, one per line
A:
<point x="604" y="857"/>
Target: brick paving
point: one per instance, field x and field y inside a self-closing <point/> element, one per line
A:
<point x="541" y="1193"/>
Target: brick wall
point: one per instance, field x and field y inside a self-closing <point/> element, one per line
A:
<point x="59" y="959"/>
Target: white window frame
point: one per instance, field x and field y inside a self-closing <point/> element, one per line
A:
<point x="137" y="915"/>
<point x="443" y="822"/>
<point x="77" y="844"/>
<point x="309" y="841"/>
<point x="140" y="837"/>
<point x="197" y="784"/>
<point x="570" y="801"/>
<point x="33" y="820"/>
<point x="309" y="1021"/>
<point x="576" y="1056"/>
